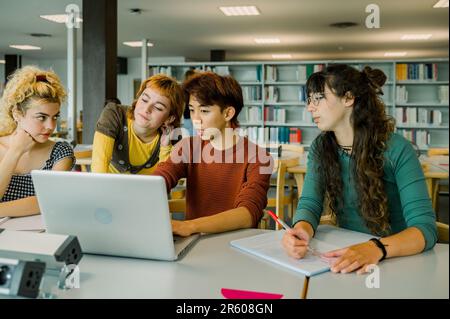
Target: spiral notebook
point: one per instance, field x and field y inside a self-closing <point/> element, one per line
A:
<point x="268" y="246"/>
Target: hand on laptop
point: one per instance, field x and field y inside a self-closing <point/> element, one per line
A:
<point x="182" y="228"/>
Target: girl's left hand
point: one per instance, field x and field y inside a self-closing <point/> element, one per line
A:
<point x="166" y="134"/>
<point x="357" y="257"/>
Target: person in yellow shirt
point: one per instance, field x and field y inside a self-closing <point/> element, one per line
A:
<point x="133" y="139"/>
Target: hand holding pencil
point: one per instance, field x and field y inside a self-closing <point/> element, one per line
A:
<point x="295" y="241"/>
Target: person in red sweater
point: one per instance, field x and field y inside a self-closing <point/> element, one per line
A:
<point x="227" y="175"/>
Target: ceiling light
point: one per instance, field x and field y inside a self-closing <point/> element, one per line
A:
<point x="135" y="11"/>
<point x="240" y="11"/>
<point x="58" y="18"/>
<point x="441" y="4"/>
<point x="136" y="44"/>
<point x="2" y="62"/>
<point x="416" y="36"/>
<point x="395" y="54"/>
<point x="343" y="25"/>
<point x="267" y="40"/>
<point x="281" y="56"/>
<point x="40" y="35"/>
<point x="24" y="47"/>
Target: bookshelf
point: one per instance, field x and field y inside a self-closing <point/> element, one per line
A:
<point x="422" y="102"/>
<point x="415" y="94"/>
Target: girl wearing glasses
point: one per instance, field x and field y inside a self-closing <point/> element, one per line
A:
<point x="29" y="110"/>
<point x="369" y="175"/>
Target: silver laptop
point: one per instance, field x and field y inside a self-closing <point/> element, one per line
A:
<point x="111" y="214"/>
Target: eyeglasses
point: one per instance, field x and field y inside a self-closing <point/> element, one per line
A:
<point x="315" y="99"/>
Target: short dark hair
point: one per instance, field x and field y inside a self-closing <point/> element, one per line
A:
<point x="210" y="88"/>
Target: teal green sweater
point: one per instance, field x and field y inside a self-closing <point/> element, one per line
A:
<point x="408" y="201"/>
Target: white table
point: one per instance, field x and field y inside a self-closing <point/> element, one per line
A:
<point x="420" y="276"/>
<point x="213" y="264"/>
<point x="210" y="265"/>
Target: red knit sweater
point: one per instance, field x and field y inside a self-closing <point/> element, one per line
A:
<point x="219" y="180"/>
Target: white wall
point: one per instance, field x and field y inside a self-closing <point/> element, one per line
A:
<point x="125" y="81"/>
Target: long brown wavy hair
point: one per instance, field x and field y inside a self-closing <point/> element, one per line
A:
<point x="372" y="128"/>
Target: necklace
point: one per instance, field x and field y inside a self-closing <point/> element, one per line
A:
<point x="346" y="148"/>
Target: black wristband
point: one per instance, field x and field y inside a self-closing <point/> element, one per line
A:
<point x="381" y="246"/>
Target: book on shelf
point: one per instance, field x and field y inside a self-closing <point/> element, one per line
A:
<point x="274" y="114"/>
<point x="302" y="94"/>
<point x="295" y="135"/>
<point x="271" y="73"/>
<point x="300" y="73"/>
<point x="258" y="73"/>
<point x="251" y="114"/>
<point x="414" y="116"/>
<point x="416" y="71"/>
<point x="421" y="138"/>
<point x="271" y="94"/>
<point x="307" y="116"/>
<point x="443" y="94"/>
<point x="222" y="70"/>
<point x="167" y="70"/>
<point x="275" y="134"/>
<point x="401" y="94"/>
<point x="252" y="93"/>
<point x="313" y="68"/>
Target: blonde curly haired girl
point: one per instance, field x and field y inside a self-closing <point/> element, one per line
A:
<point x="29" y="109"/>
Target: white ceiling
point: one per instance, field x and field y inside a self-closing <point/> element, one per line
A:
<point x="192" y="28"/>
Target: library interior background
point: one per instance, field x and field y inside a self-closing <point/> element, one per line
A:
<point x="270" y="47"/>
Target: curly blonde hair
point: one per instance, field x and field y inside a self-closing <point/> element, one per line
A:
<point x="27" y="85"/>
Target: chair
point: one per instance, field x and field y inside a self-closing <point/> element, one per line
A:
<point x="435" y="191"/>
<point x="177" y="205"/>
<point x="437" y="151"/>
<point x="177" y="200"/>
<point x="283" y="198"/>
<point x="442" y="230"/>
<point x="83" y="159"/>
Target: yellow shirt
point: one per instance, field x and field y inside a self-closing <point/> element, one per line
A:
<point x="139" y="152"/>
